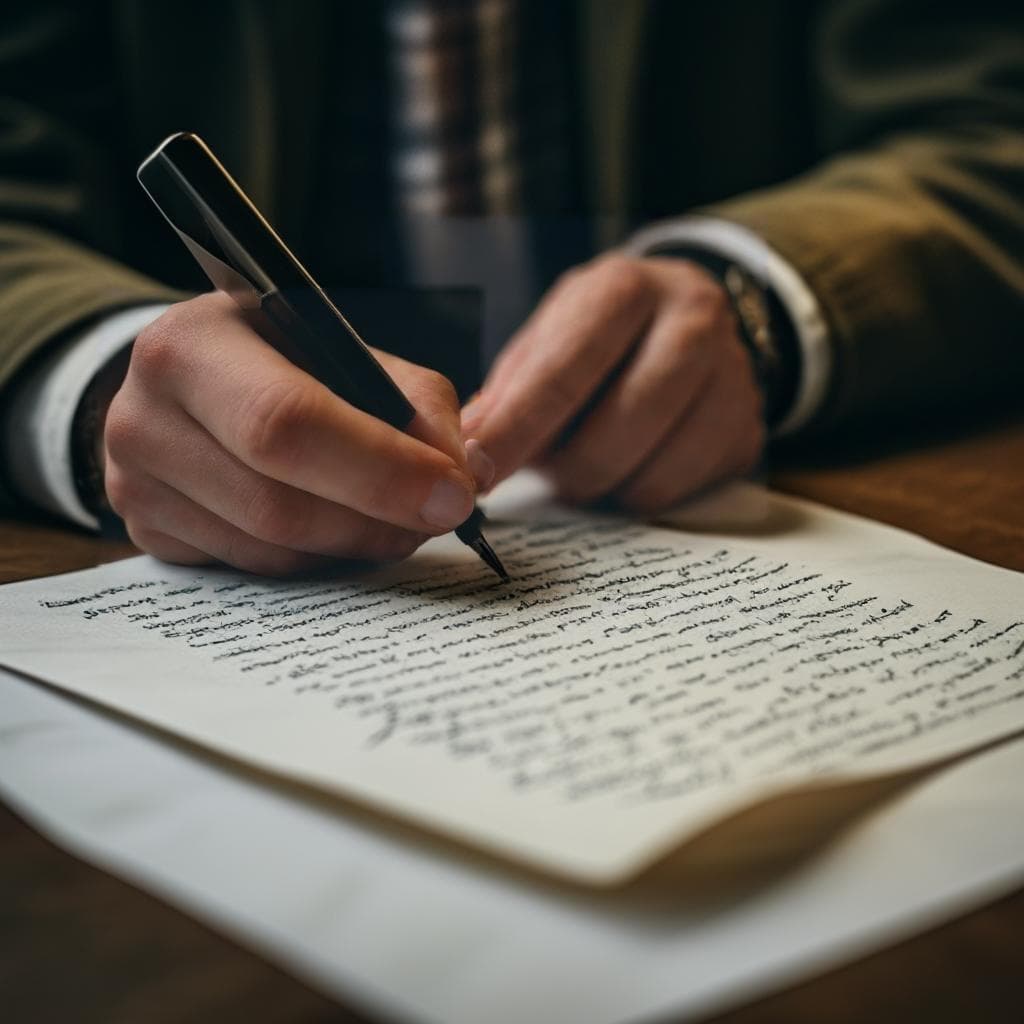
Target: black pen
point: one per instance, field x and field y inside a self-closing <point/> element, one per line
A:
<point x="243" y="256"/>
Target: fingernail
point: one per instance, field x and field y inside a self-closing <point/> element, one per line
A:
<point x="448" y="506"/>
<point x="481" y="465"/>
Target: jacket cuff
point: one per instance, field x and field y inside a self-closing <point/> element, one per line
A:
<point x="36" y="427"/>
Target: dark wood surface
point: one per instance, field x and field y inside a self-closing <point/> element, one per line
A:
<point x="77" y="944"/>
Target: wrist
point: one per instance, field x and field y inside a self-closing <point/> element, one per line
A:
<point x="39" y="445"/>
<point x="87" y="447"/>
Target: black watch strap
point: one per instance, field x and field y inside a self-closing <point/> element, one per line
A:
<point x="765" y="327"/>
<point x="87" y="441"/>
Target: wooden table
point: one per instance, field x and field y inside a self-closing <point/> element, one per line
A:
<point x="79" y="945"/>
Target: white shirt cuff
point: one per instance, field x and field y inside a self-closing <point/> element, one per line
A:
<point x="35" y="429"/>
<point x="761" y="261"/>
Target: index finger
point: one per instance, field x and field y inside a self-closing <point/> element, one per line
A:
<point x="564" y="353"/>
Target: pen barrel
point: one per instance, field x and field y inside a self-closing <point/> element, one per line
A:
<point x="333" y="354"/>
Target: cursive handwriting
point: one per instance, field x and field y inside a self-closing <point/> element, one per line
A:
<point x="621" y="663"/>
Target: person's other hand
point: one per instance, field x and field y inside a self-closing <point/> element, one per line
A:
<point x="218" y="448"/>
<point x="628" y="381"/>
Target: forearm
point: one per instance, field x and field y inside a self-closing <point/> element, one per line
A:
<point x="909" y="234"/>
<point x="917" y="267"/>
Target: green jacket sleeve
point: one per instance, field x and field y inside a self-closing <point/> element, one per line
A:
<point x="911" y="234"/>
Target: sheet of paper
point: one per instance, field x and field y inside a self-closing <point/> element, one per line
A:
<point x="408" y="933"/>
<point x="633" y="685"/>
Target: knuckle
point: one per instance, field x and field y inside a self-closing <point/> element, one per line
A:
<point x="709" y="308"/>
<point x="436" y="398"/>
<point x="621" y="279"/>
<point x="715" y="338"/>
<point x="441" y="388"/>
<point x="269" y="515"/>
<point x="715" y="300"/>
<point x="120" y="429"/>
<point x="695" y="340"/>
<point x="704" y="336"/>
<point x="272" y="424"/>
<point x="157" y="350"/>
<point x="126" y="493"/>
<point x="708" y="295"/>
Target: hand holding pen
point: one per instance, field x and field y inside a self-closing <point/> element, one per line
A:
<point x="218" y="448"/>
<point x="255" y="426"/>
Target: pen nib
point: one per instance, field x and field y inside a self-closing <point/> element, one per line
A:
<point x="469" y="533"/>
<point x="486" y="552"/>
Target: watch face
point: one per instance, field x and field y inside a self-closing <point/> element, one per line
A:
<point x="751" y="304"/>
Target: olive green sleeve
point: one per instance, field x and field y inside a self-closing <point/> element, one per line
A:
<point x="911" y="232"/>
<point x="49" y="285"/>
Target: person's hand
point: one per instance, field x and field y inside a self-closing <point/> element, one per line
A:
<point x="628" y="381"/>
<point x="218" y="448"/>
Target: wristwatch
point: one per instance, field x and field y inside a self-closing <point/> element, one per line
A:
<point x="765" y="328"/>
<point x="87" y="441"/>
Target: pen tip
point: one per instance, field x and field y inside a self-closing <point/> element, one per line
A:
<point x="486" y="552"/>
